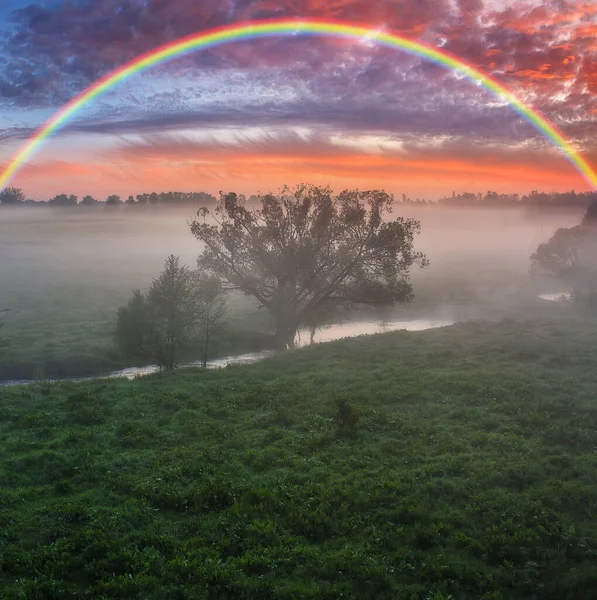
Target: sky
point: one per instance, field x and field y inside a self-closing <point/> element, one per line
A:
<point x="252" y="116"/>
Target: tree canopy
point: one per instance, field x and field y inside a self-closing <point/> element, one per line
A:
<point x="12" y="195"/>
<point x="306" y="250"/>
<point x="571" y="256"/>
<point x="63" y="200"/>
<point x="113" y="200"/>
<point x="181" y="309"/>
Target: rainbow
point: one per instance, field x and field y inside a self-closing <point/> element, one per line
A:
<point x="290" y="27"/>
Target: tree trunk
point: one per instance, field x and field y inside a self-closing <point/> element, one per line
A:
<point x="205" y="346"/>
<point x="284" y="337"/>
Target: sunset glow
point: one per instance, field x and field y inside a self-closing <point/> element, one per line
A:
<point x="100" y="146"/>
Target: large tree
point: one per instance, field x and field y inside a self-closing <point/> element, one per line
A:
<point x="571" y="257"/>
<point x="305" y="250"/>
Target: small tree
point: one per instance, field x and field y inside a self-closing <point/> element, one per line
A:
<point x="590" y="217"/>
<point x="89" y="201"/>
<point x="211" y="308"/>
<point x="2" y="311"/>
<point x="571" y="256"/>
<point x="318" y="319"/>
<point x="133" y="328"/>
<point x="179" y="309"/>
<point x="12" y="195"/>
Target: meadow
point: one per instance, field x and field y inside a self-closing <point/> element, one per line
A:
<point x="456" y="463"/>
<point x="64" y="274"/>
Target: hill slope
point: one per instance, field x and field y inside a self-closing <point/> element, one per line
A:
<point x="468" y="472"/>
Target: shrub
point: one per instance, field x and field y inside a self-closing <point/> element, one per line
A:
<point x="346" y="418"/>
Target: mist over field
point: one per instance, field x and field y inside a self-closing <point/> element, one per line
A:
<point x="112" y="247"/>
<point x="64" y="273"/>
<point x="433" y="463"/>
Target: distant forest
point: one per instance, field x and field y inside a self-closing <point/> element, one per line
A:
<point x="12" y="196"/>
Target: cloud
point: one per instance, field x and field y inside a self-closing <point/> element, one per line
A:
<point x="433" y="115"/>
<point x="318" y="154"/>
<point x="75" y="43"/>
<point x="545" y="52"/>
<point x="428" y="167"/>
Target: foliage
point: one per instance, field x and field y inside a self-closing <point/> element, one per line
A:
<point x="113" y="200"/>
<point x="157" y="324"/>
<point x="211" y="309"/>
<point x="63" y="200"/>
<point x="472" y="477"/>
<point x="2" y="311"/>
<point x="12" y="195"/>
<point x="534" y="199"/>
<point x="180" y="308"/>
<point x="571" y="256"/>
<point x="305" y="251"/>
<point x="590" y="216"/>
<point x="176" y="198"/>
<point x="346" y="418"/>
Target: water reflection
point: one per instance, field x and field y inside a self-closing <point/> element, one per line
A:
<point x="557" y="297"/>
<point x="352" y="329"/>
<point x="325" y="334"/>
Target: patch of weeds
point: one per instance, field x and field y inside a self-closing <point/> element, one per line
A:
<point x="346" y="417"/>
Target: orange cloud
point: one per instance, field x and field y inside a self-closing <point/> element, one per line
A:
<point x="418" y="172"/>
<point x="542" y="74"/>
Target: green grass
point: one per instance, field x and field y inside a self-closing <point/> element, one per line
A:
<point x="64" y="275"/>
<point x="63" y="325"/>
<point x="61" y="321"/>
<point x="455" y="463"/>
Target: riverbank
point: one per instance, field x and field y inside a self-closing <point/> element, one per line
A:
<point x="455" y="462"/>
<point x="324" y="334"/>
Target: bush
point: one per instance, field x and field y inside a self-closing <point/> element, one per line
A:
<point x="346" y="418"/>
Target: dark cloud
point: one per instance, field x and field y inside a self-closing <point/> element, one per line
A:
<point x="374" y="115"/>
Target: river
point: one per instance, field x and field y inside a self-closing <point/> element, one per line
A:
<point x="325" y="334"/>
<point x="557" y="297"/>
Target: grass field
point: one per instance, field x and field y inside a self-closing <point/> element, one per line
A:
<point x="454" y="463"/>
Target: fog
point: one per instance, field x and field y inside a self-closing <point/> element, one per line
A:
<point x="135" y="240"/>
<point x="124" y="248"/>
<point x="65" y="272"/>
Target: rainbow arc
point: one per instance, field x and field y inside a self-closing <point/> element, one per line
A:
<point x="291" y="27"/>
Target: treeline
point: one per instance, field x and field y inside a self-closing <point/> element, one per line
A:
<point x="16" y="197"/>
<point x="12" y="196"/>
<point x="534" y="199"/>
